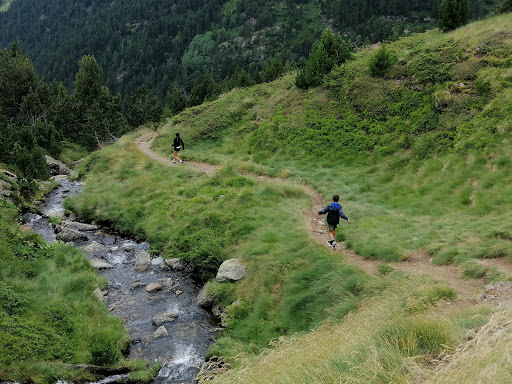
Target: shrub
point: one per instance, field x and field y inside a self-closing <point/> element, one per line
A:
<point x="381" y="62"/>
<point x="330" y="50"/>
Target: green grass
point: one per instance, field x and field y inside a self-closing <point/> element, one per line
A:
<point x="48" y="315"/>
<point x="421" y="160"/>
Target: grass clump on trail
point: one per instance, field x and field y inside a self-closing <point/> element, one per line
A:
<point x="48" y="315"/>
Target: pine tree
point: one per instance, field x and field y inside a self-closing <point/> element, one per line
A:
<point x="453" y="14"/>
<point x="143" y="107"/>
<point x="330" y="50"/>
<point x="176" y="101"/>
<point x="381" y="62"/>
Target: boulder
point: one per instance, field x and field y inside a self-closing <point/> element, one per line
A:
<point x="205" y="300"/>
<point x="173" y="264"/>
<point x="163" y="318"/>
<point x="153" y="287"/>
<point x="57" y="167"/>
<point x="161" y="332"/>
<point x="143" y="260"/>
<point x="230" y="270"/>
<point x="79" y="226"/>
<point x="99" y="295"/>
<point x="67" y="234"/>
<point x="100" y="264"/>
<point x="138" y="284"/>
<point x="157" y="260"/>
<point x="93" y="247"/>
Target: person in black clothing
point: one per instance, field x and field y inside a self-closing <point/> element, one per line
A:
<point x="334" y="212"/>
<point x="177" y="145"/>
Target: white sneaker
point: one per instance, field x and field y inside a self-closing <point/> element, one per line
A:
<point x="174" y="161"/>
<point x="181" y="161"/>
<point x="330" y="242"/>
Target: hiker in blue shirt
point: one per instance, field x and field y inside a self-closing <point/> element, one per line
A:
<point x="334" y="212"/>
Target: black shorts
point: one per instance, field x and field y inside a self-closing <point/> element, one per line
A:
<point x="177" y="149"/>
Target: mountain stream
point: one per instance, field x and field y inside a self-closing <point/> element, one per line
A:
<point x="182" y="347"/>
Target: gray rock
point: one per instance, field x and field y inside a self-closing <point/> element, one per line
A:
<point x="161" y="332"/>
<point x="99" y="295"/>
<point x="153" y="287"/>
<point x="138" y="284"/>
<point x="9" y="174"/>
<point x="174" y="264"/>
<point x="163" y="318"/>
<point x="217" y="311"/>
<point x="100" y="264"/>
<point x="230" y="270"/>
<point x="79" y="226"/>
<point x="179" y="292"/>
<point x="168" y="282"/>
<point x="93" y="248"/>
<point x="57" y="167"/>
<point x="205" y="300"/>
<point x="56" y="212"/>
<point x="157" y="260"/>
<point x="143" y="259"/>
<point x="67" y="234"/>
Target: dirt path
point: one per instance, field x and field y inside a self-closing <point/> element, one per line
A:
<point x="417" y="262"/>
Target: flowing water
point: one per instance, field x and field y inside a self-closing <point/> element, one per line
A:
<point x="182" y="351"/>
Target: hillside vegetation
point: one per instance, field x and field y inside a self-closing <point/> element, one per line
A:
<point x="421" y="159"/>
<point x="158" y="44"/>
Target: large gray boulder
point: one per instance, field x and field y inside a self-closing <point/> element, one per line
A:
<point x="57" y="167"/>
<point x="67" y="234"/>
<point x="230" y="270"/>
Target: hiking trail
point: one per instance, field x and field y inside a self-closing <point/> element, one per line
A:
<point x="469" y="291"/>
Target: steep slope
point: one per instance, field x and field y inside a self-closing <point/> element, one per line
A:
<point x="421" y="160"/>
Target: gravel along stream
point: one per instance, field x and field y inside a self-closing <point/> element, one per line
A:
<point x="155" y="300"/>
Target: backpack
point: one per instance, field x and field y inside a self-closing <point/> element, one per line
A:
<point x="333" y="216"/>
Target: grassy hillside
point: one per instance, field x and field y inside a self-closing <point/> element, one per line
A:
<point x="421" y="160"/>
<point x="48" y="315"/>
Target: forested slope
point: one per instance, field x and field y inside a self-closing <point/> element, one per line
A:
<point x="158" y="44"/>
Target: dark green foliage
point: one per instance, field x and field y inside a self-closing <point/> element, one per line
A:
<point x="326" y="53"/>
<point x="505" y="6"/>
<point x="176" y="101"/>
<point x="240" y="79"/>
<point x="204" y="89"/>
<point x="273" y="69"/>
<point x="381" y="62"/>
<point x="453" y="14"/>
<point x="143" y="108"/>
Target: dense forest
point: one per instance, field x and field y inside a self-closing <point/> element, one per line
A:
<point x="161" y="45"/>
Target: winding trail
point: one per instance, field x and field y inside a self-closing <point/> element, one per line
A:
<point x="469" y="290"/>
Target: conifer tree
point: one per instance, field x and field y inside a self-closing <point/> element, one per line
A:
<point x="176" y="101"/>
<point x="453" y="14"/>
<point x="143" y="107"/>
<point x="330" y="50"/>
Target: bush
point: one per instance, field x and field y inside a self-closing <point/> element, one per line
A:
<point x="381" y="62"/>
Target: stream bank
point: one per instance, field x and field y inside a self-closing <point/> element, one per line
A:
<point x="155" y="299"/>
